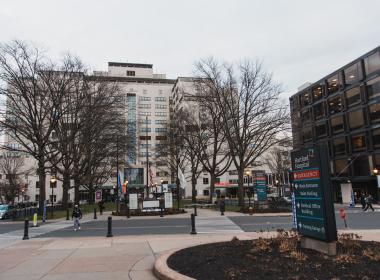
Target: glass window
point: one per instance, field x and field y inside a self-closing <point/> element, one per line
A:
<point x="305" y="116"/>
<point x="358" y="143"/>
<point x="317" y="92"/>
<point x="144" y="98"/>
<point x="335" y="105"/>
<point x="376" y="160"/>
<point x="372" y="63"/>
<point x="374" y="112"/>
<point x="356" y="119"/>
<point x="339" y="146"/>
<point x="320" y="130"/>
<point x="333" y="84"/>
<point x="373" y="87"/>
<point x="353" y="73"/>
<point x="353" y="96"/>
<point x="341" y="167"/>
<point x="319" y="110"/>
<point x="337" y="125"/>
<point x="376" y="138"/>
<point x="305" y="99"/>
<point x="205" y="181"/>
<point x="307" y="134"/>
<point x="360" y="166"/>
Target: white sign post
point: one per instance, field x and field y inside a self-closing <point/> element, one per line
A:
<point x="133" y="203"/>
<point x="168" y="200"/>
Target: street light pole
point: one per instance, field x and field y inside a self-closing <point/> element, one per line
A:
<point x="248" y="190"/>
<point x="53" y="180"/>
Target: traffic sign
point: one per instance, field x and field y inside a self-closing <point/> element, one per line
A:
<point x="313" y="195"/>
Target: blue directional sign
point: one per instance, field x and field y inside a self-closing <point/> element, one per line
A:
<point x="313" y="195"/>
<point x="261" y="186"/>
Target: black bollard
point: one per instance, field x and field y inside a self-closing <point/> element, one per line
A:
<point x="222" y="207"/>
<point x="101" y="210"/>
<point x="193" y="231"/>
<point x="26" y="230"/>
<point x="67" y="214"/>
<point x="161" y="213"/>
<point x="109" y="232"/>
<point x="95" y="217"/>
<point x="128" y="213"/>
<point x="195" y="210"/>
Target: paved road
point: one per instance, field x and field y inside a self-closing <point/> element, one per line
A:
<point x="133" y="226"/>
<point x="8" y="226"/>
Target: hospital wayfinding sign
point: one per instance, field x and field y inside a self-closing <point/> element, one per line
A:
<point x="313" y="194"/>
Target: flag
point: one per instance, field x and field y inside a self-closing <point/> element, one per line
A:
<point x="181" y="178"/>
<point x="119" y="187"/>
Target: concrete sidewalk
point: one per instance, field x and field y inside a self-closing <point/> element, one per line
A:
<point x="127" y="257"/>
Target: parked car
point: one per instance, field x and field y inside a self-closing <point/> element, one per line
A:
<point x="7" y="211"/>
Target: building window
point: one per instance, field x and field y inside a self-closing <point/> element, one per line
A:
<point x="307" y="134"/>
<point x="205" y="181"/>
<point x="333" y="84"/>
<point x="145" y="129"/>
<point x="372" y="63"/>
<point x="353" y="96"/>
<point x="160" y="137"/>
<point x="160" y="99"/>
<point x="319" y="110"/>
<point x="131" y="73"/>
<point x="160" y="121"/>
<point x="160" y="106"/>
<point x="376" y="138"/>
<point x="144" y="106"/>
<point x="374" y="112"/>
<point x="53" y="197"/>
<point x="339" y="146"/>
<point x="160" y="129"/>
<point x="317" y="92"/>
<point x="358" y="143"/>
<point x="376" y="160"/>
<point x="144" y="113"/>
<point x="373" y="87"/>
<point x="206" y="192"/>
<point x="355" y="119"/>
<point x="337" y="124"/>
<point x="335" y="105"/>
<point x="160" y="114"/>
<point x="360" y="166"/>
<point x="145" y="137"/>
<point x="145" y="121"/>
<point x="305" y="116"/>
<point x="341" y="167"/>
<point x="320" y="130"/>
<point x="305" y="99"/>
<point x="144" y="98"/>
<point x="353" y="74"/>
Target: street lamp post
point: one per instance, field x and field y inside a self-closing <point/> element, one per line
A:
<point x="53" y="180"/>
<point x="376" y="173"/>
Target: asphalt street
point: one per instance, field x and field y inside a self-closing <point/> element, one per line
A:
<point x="368" y="220"/>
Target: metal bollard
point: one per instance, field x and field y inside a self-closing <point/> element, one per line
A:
<point x="67" y="214"/>
<point x="109" y="232"/>
<point x="195" y="210"/>
<point x="95" y="217"/>
<point x="26" y="230"/>
<point x="193" y="231"/>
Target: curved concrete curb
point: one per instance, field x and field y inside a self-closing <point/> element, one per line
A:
<point x="162" y="270"/>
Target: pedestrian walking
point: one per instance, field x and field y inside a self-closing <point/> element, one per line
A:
<point x="369" y="201"/>
<point x="77" y="215"/>
<point x="362" y="200"/>
<point x="101" y="207"/>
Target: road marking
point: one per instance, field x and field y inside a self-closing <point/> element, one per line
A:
<point x="103" y="228"/>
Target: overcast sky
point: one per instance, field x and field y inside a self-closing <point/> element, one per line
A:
<point x="299" y="40"/>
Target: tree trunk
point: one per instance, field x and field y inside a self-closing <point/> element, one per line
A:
<point x="193" y="189"/>
<point x="65" y="190"/>
<point x="212" y="186"/>
<point x="241" y="186"/>
<point x="42" y="184"/>
<point x="178" y="191"/>
<point x="76" y="191"/>
<point x="91" y="194"/>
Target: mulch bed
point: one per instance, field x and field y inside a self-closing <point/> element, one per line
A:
<point x="278" y="258"/>
<point x="155" y="213"/>
<point x="255" y="210"/>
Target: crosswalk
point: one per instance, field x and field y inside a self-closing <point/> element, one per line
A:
<point x="220" y="224"/>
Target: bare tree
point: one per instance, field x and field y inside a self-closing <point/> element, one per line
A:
<point x="13" y="166"/>
<point x="253" y="114"/>
<point x="33" y="88"/>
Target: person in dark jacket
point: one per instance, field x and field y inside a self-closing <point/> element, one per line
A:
<point x="362" y="200"/>
<point x="77" y="215"/>
<point x="369" y="201"/>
